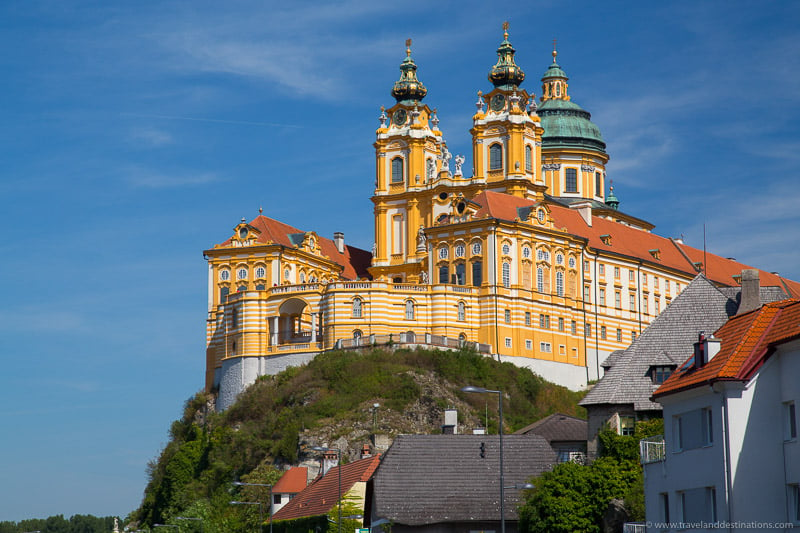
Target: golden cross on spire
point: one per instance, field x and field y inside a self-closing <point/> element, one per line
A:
<point x="554" y="51"/>
<point x="505" y="30"/>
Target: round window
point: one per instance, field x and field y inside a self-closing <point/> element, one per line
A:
<point x="241" y="273"/>
<point x="224" y="275"/>
<point x="476" y="248"/>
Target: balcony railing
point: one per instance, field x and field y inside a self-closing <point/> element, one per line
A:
<point x="652" y="450"/>
<point x="633" y="527"/>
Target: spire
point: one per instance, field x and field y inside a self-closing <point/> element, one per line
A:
<point x="408" y="88"/>
<point x="611" y="200"/>
<point x="554" y="81"/>
<point x="506" y="73"/>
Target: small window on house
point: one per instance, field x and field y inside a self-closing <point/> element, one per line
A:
<point x="462" y="311"/>
<point x="616" y="272"/>
<point x="631" y="276"/>
<point x="601" y="268"/>
<point x="602" y="297"/>
<point x="645" y="307"/>
<point x="571" y="183"/>
<point x="633" y="336"/>
<point x="224" y="275"/>
<point x="443" y="252"/>
<point x="477" y="273"/>
<point x="409" y="310"/>
<point x="506" y="275"/>
<point x="260" y="287"/>
<point x="560" y="324"/>
<point x="507" y="316"/>
<point x="356" y="307"/>
<point x="619" y="335"/>
<point x="476" y="248"/>
<point x="528" y="344"/>
<point x="617" y="300"/>
<point x="587" y="330"/>
<point x="459" y="250"/>
<point x="544" y="321"/>
<point x="660" y="373"/>
<point x="598" y="187"/>
<point x="241" y="273"/>
<point x="397" y="170"/>
<point x="573" y="328"/>
<point x="632" y="301"/>
<point x="789" y="421"/>
<point x="527" y="318"/>
<point x="560" y="283"/>
<point x="626" y="425"/>
<point x="508" y="342"/>
<point x="444" y="274"/>
<point x="261" y="272"/>
<point x="663" y="499"/>
<point x="495" y="157"/>
<point x="602" y="332"/>
<point x="545" y="347"/>
<point x="540" y="279"/>
<point x="587" y="294"/>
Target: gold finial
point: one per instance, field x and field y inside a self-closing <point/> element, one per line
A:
<point x="408" y="47"/>
<point x="554" y="51"/>
<point x="383" y="109"/>
<point x="480" y="93"/>
<point x="505" y="30"/>
<point x="260" y="210"/>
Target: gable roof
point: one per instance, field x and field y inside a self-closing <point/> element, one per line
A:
<point x="700" y="307"/>
<point x="323" y="493"/>
<point x="557" y="427"/>
<point x="629" y="241"/>
<point x="354" y="261"/>
<point x="428" y="479"/>
<point x="747" y="341"/>
<point x="292" y="481"/>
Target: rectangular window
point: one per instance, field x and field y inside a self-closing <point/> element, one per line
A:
<point x="655" y="282"/>
<point x="619" y="335"/>
<point x="598" y="187"/>
<point x="633" y="336"/>
<point x="789" y="421"/>
<point x="603" y="332"/>
<point x="698" y="505"/>
<point x="617" y="300"/>
<point x="631" y="275"/>
<point x="693" y="429"/>
<point x="602" y="297"/>
<point x="477" y="273"/>
<point x="544" y="321"/>
<point x="545" y="347"/>
<point x="586" y="294"/>
<point x="397" y="234"/>
<point x="507" y="316"/>
<point x="574" y="327"/>
<point x="658" y="305"/>
<point x="664" y="504"/>
<point x="626" y="425"/>
<point x="528" y="344"/>
<point x="571" y="183"/>
<point x="616" y="272"/>
<point x="560" y="324"/>
<point x="632" y="301"/>
<point x="586" y="266"/>
<point x="794" y="502"/>
<point x="601" y="269"/>
<point x="645" y="307"/>
<point x="587" y="330"/>
<point x="562" y="350"/>
<point x="527" y="318"/>
<point x="508" y="342"/>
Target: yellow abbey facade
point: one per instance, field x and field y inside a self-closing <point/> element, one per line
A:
<point x="526" y="259"/>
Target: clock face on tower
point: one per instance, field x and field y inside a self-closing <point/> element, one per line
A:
<point x="399" y="117"/>
<point x="498" y="102"/>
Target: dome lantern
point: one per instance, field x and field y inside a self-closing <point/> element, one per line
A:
<point x="506" y="74"/>
<point x="408" y="88"/>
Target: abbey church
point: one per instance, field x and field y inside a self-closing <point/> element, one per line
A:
<point x="523" y="257"/>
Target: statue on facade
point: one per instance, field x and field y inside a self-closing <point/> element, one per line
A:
<point x="446" y="156"/>
<point x="421" y="239"/>
<point x="424" y="277"/>
<point x="459" y="162"/>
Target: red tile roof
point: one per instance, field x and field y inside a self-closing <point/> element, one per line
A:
<point x="292" y="481"/>
<point x="355" y="261"/>
<point x="629" y="241"/>
<point x="747" y="341"/>
<point x="323" y="493"/>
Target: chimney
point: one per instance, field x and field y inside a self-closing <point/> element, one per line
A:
<point x="329" y="460"/>
<point x="450" y="426"/>
<point x="751" y="291"/>
<point x="338" y="240"/>
<point x="711" y="347"/>
<point x="365" y="451"/>
<point x="585" y="210"/>
<point x="699" y="350"/>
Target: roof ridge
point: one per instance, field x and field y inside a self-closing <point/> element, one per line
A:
<point x="764" y="318"/>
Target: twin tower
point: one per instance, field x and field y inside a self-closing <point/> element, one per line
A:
<point x="519" y="148"/>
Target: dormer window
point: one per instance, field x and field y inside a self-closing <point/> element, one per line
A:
<point x="656" y="253"/>
<point x="660" y="373"/>
<point x="243" y="233"/>
<point x="606" y="239"/>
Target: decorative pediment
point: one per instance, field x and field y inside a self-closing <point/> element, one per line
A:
<point x="539" y="215"/>
<point x="244" y="235"/>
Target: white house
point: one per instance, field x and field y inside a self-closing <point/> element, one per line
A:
<point x="729" y="458"/>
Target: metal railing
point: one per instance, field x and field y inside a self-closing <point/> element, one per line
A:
<point x="652" y="449"/>
<point x="633" y="527"/>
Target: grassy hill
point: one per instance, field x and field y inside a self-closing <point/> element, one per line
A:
<point x="329" y="402"/>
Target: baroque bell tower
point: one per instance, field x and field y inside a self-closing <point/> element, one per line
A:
<point x="506" y="137"/>
<point x="410" y="154"/>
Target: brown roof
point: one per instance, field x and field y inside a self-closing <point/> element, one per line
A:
<point x="558" y="427"/>
<point x="747" y="341"/>
<point x="354" y="261"/>
<point x="292" y="481"/>
<point x="323" y="493"/>
<point x="629" y="241"/>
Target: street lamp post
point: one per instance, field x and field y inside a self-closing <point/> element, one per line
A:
<point x="339" y="471"/>
<point x="260" y="512"/>
<point x="481" y="390"/>
<point x="243" y="484"/>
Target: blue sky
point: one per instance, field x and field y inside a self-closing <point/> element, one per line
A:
<point x="137" y="134"/>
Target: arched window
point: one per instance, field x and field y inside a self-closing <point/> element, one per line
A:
<point x="571" y="184"/>
<point x="506" y="275"/>
<point x="560" y="283"/>
<point x="477" y="273"/>
<point x="409" y="310"/>
<point x="241" y="273"/>
<point x="496" y="157"/>
<point x="224" y="275"/>
<point x="540" y="279"/>
<point x="462" y="311"/>
<point x="397" y="170"/>
<point x="356" y="307"/>
<point x="444" y="274"/>
<point x="528" y="158"/>
<point x="261" y="272"/>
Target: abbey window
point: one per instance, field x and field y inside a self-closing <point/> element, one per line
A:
<point x="397" y="170"/>
<point x="528" y="158"/>
<point x="571" y="183"/>
<point x="496" y="157"/>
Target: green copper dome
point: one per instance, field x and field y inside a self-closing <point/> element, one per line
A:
<point x="611" y="200"/>
<point x="505" y="73"/>
<point x="408" y="88"/>
<point x="565" y="123"/>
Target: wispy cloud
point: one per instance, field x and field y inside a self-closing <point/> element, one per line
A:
<point x="149" y="179"/>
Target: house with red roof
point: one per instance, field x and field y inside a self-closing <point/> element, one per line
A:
<point x="524" y="255"/>
<point x="320" y="499"/>
<point x="730" y="454"/>
<point x="291" y="483"/>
